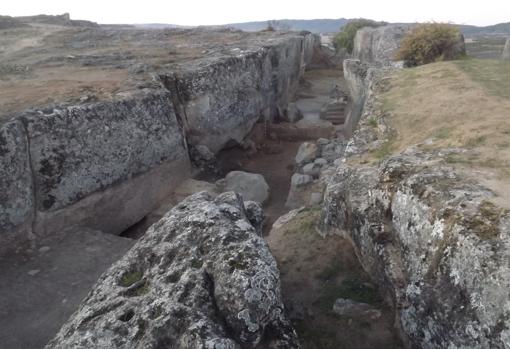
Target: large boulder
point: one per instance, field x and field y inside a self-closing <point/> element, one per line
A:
<point x="202" y="277"/>
<point x="506" y="50"/>
<point x="252" y="186"/>
<point x="430" y="236"/>
<point x="378" y="46"/>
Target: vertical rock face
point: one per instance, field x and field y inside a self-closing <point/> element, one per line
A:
<point x="378" y="46"/>
<point x="506" y="50"/>
<point x="87" y="163"/>
<point x="16" y="185"/>
<point x="105" y="165"/>
<point x="202" y="277"/>
<point x="222" y="101"/>
<point x="355" y="73"/>
<point x="429" y="236"/>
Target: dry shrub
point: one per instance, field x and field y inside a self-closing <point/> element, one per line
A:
<point x="428" y="43"/>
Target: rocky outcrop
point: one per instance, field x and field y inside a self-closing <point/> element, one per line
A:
<point x="221" y="102"/>
<point x="430" y="237"/>
<point x="202" y="277"/>
<point x="355" y="73"/>
<point x="252" y="186"/>
<point x="378" y="46"/>
<point x="105" y="165"/>
<point x="506" y="50"/>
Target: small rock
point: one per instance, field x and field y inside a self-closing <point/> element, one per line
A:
<point x="307" y="152"/>
<point x="323" y="141"/>
<point x="338" y="162"/>
<point x="252" y="186"/>
<point x="204" y="152"/>
<point x="300" y="180"/>
<point x="44" y="249"/>
<point x="308" y="169"/>
<point x="320" y="162"/>
<point x="34" y="272"/>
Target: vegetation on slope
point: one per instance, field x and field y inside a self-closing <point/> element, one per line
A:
<point x="427" y="43"/>
<point x="464" y="105"/>
<point x="345" y="38"/>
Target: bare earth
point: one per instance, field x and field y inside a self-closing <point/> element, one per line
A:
<point x="44" y="65"/>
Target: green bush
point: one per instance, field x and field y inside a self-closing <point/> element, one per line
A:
<point x="345" y="38"/>
<point x="428" y="43"/>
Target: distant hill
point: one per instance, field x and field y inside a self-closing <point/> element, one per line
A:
<point x="7" y="22"/>
<point x="159" y="26"/>
<point x="312" y="25"/>
<point x="334" y="25"/>
<point x="501" y="29"/>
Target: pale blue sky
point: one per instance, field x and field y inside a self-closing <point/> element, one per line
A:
<point x="195" y="12"/>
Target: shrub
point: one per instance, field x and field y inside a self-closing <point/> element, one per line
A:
<point x="428" y="43"/>
<point x="345" y="39"/>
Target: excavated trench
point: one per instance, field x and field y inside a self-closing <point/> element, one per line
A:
<point x="315" y="271"/>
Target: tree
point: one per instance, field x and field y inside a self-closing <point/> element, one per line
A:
<point x="345" y="38"/>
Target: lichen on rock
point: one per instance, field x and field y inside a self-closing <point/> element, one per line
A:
<point x="201" y="277"/>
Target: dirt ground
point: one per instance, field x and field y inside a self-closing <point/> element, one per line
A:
<point x="315" y="271"/>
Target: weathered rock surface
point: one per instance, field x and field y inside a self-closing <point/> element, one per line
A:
<point x="105" y="163"/>
<point x="261" y="82"/>
<point x="16" y="185"/>
<point x="202" y="277"/>
<point x="81" y="155"/>
<point x="252" y="186"/>
<point x="506" y="50"/>
<point x="429" y="237"/>
<point x="307" y="152"/>
<point x="378" y="46"/>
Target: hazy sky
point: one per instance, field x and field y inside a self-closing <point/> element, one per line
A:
<point x="195" y="12"/>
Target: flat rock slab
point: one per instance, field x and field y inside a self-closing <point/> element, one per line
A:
<point x="43" y="285"/>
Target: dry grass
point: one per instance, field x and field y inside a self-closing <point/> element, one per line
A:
<point x="463" y="104"/>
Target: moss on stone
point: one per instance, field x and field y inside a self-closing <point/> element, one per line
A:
<point x="130" y="278"/>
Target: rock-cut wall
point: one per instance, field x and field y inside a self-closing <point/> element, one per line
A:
<point x="221" y="102"/>
<point x="105" y="165"/>
<point x="427" y="234"/>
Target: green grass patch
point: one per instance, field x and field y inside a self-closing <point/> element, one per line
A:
<point x="351" y="288"/>
<point x="304" y="222"/>
<point x="372" y="122"/>
<point x="130" y="278"/>
<point x="493" y="75"/>
<point x="443" y="133"/>
<point x="476" y="141"/>
<point x="384" y="150"/>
